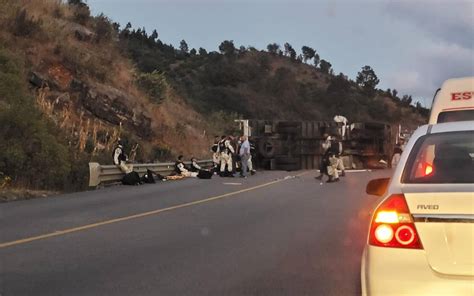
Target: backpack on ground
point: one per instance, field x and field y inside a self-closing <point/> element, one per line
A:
<point x="148" y="177"/>
<point x="204" y="174"/>
<point x="132" y="178"/>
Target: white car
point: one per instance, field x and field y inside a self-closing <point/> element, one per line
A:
<point x="421" y="236"/>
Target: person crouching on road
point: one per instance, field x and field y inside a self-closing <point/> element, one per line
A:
<point x="120" y="158"/>
<point x="332" y="168"/>
<point x="244" y="153"/>
<point x="180" y="168"/>
<point x="225" y="152"/>
<point x="335" y="161"/>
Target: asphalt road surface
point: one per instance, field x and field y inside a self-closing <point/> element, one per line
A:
<point x="264" y="235"/>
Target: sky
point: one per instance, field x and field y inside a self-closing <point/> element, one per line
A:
<point x="413" y="45"/>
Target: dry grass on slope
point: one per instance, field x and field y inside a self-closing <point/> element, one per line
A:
<point x="54" y="49"/>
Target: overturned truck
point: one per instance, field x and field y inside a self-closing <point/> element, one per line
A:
<point x="295" y="145"/>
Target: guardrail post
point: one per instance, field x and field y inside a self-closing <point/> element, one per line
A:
<point x="94" y="174"/>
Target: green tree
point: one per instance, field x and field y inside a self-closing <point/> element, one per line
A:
<point x="183" y="47"/>
<point x="407" y="100"/>
<point x="367" y="79"/>
<point x="288" y="49"/>
<point x="316" y="60"/>
<point x="193" y="52"/>
<point x="227" y="48"/>
<point x="292" y="53"/>
<point x="339" y="85"/>
<point x="154" y="84"/>
<point x="154" y="35"/>
<point x="103" y="28"/>
<point x="308" y="53"/>
<point x="325" y="66"/>
<point x="202" y="51"/>
<point x="273" y="48"/>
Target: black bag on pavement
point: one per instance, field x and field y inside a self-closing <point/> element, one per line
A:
<point x="148" y="177"/>
<point x="132" y="178"/>
<point x="204" y="174"/>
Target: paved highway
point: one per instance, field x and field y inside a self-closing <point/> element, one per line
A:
<point x="265" y="235"/>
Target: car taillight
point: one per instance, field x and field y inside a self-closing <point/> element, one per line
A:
<point x="428" y="169"/>
<point x="392" y="225"/>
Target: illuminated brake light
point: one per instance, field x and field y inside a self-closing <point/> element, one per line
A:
<point x="428" y="169"/>
<point x="392" y="225"/>
<point x="386" y="217"/>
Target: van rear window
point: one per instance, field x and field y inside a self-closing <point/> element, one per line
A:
<point x="441" y="158"/>
<point x="452" y="116"/>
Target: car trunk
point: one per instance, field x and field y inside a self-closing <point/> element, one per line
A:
<point x="445" y="224"/>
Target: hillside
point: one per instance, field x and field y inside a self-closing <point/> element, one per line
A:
<point x="71" y="84"/>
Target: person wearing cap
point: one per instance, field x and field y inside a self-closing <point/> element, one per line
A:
<point x="120" y="158"/>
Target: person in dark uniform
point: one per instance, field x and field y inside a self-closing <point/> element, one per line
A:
<point x="216" y="159"/>
<point x="195" y="167"/>
<point x="325" y="145"/>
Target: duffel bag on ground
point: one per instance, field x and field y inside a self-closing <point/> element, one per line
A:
<point x="204" y="174"/>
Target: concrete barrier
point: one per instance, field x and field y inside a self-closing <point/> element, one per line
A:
<point x="102" y="174"/>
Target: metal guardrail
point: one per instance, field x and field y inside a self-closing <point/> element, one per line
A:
<point x="101" y="174"/>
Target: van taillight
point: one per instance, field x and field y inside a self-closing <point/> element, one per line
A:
<point x="392" y="225"/>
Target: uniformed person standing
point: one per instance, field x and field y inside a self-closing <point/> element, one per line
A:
<point x="225" y="150"/>
<point x="325" y="145"/>
<point x="216" y="159"/>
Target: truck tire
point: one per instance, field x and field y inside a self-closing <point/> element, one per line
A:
<point x="266" y="148"/>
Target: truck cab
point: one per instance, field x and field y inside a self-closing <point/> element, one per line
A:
<point x="454" y="101"/>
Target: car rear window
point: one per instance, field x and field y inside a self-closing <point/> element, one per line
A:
<point x="451" y="116"/>
<point x="441" y="158"/>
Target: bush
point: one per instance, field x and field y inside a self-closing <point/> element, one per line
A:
<point x="154" y="84"/>
<point x="81" y="12"/>
<point x="24" y="25"/>
<point x="29" y="152"/>
<point x="103" y="28"/>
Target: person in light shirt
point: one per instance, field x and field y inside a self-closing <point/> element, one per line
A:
<point x="244" y="153"/>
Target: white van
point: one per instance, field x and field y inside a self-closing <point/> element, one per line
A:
<point x="454" y="101"/>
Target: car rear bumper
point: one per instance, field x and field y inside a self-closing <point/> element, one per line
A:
<point x="393" y="271"/>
